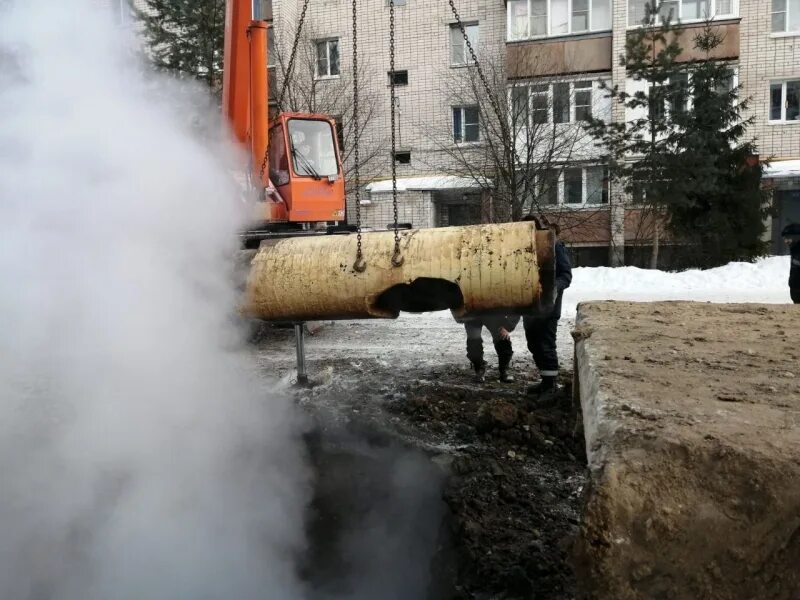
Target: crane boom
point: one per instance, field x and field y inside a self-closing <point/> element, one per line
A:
<point x="301" y="176"/>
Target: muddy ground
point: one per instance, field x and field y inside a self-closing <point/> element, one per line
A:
<point x="514" y="474"/>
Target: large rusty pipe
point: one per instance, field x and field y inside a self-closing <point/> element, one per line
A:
<point x="259" y="98"/>
<point x="470" y="270"/>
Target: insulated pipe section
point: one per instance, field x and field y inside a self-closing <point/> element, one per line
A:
<point x="470" y="270"/>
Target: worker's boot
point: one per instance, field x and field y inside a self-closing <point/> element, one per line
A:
<point x="480" y="371"/>
<point x="475" y="356"/>
<point x="504" y="354"/>
<point x="545" y="393"/>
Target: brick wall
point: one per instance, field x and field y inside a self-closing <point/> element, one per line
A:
<point x="765" y="57"/>
<point x="415" y="207"/>
<point x="422" y="46"/>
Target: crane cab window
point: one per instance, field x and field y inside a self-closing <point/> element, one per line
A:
<point x="278" y="161"/>
<point x="313" y="149"/>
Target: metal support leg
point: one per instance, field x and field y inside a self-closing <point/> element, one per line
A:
<point x="299" y="336"/>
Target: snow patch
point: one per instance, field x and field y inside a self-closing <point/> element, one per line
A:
<point x="439" y="182"/>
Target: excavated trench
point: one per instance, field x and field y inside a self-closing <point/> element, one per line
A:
<point x="378" y="528"/>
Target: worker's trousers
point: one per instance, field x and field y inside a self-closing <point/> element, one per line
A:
<point x="795" y="294"/>
<point x="474" y="328"/>
<point x="540" y="333"/>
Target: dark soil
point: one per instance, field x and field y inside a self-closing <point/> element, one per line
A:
<point x="514" y="473"/>
<point x="515" y="489"/>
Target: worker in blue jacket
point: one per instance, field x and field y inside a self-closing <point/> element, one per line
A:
<point x="541" y="330"/>
<point x="791" y="234"/>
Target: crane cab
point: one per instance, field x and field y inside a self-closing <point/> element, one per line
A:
<point x="305" y="167"/>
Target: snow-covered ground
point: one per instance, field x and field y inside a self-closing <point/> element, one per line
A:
<point x="763" y="281"/>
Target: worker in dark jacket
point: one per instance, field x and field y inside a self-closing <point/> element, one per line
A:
<point x="791" y="234"/>
<point x="500" y="327"/>
<point x="540" y="330"/>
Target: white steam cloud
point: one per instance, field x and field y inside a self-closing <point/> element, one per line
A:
<point x="140" y="455"/>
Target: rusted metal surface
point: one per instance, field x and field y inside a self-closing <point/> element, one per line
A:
<point x="470" y="270"/>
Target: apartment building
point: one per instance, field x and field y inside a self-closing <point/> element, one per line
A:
<point x="769" y="72"/>
<point x="556" y="53"/>
<point x="430" y="54"/>
<point x="553" y="55"/>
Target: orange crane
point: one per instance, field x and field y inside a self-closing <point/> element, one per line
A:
<point x="296" y="166"/>
<point x="295" y="160"/>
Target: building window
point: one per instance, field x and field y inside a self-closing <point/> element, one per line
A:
<point x="583" y="100"/>
<point x="681" y="10"/>
<point x="397" y="2"/>
<point x="569" y="101"/>
<point x="785" y="15"/>
<point x="679" y="93"/>
<point x="400" y="77"/>
<point x="328" y="58"/>
<point x="596" y="185"/>
<point x="543" y="18"/>
<point x="548" y="187"/>
<point x="573" y="186"/>
<point x="540" y="103"/>
<point x="459" y="53"/>
<point x="784" y="104"/>
<point x="519" y="105"/>
<point x="561" y="103"/>
<point x="402" y="157"/>
<point x="465" y="124"/>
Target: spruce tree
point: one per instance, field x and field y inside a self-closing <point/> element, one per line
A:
<point x="717" y="205"/>
<point x="639" y="150"/>
<point x="186" y="37"/>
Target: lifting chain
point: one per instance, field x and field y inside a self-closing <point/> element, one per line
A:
<point x="397" y="258"/>
<point x="284" y="86"/>
<point x="489" y="92"/>
<point x="359" y="266"/>
<point x="290" y="66"/>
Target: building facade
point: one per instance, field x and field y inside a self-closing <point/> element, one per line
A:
<point x="554" y="54"/>
<point x="430" y="54"/>
<point x="550" y="56"/>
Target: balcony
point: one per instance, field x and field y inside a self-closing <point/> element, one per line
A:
<point x="575" y="54"/>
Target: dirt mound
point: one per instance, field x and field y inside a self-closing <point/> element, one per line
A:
<point x="691" y="415"/>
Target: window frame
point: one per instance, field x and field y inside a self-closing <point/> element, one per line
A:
<point x="787" y="13"/>
<point x="397" y="72"/>
<point x="561" y="187"/>
<point x="783" y="83"/>
<point x="666" y="107"/>
<point x="327" y="42"/>
<point x="455" y="30"/>
<point x="713" y="11"/>
<point x="533" y="88"/>
<point x="548" y="18"/>
<point x="460" y="141"/>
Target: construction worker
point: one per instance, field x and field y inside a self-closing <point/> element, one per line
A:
<point x="540" y="330"/>
<point x="791" y="235"/>
<point x="500" y="327"/>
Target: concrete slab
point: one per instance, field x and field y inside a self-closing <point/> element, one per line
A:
<point x="691" y="415"/>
